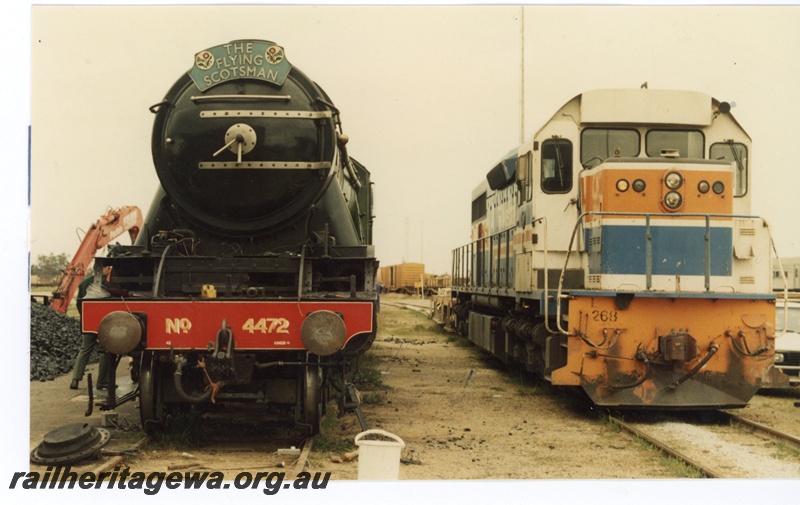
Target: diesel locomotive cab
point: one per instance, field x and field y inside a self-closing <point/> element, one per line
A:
<point x="254" y="276"/>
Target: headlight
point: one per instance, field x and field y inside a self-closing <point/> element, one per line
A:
<point x="703" y="187"/>
<point x="622" y="185"/>
<point x="323" y="332"/>
<point x="778" y="357"/>
<point x="639" y="185"/>
<point x="718" y="187"/>
<point x="120" y="332"/>
<point x="673" y="180"/>
<point x="673" y="200"/>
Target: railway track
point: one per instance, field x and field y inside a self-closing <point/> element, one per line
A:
<point x="410" y="306"/>
<point x="227" y="442"/>
<point x="720" y="444"/>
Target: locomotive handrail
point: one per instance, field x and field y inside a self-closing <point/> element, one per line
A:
<point x="783" y="277"/>
<point x="157" y="280"/>
<point x="271" y="114"/>
<point x="469" y="267"/>
<point x="211" y="98"/>
<point x="649" y="251"/>
<point x="470" y="272"/>
<point x="546" y="297"/>
<point x="266" y="165"/>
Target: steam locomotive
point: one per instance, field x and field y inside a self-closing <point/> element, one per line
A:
<point x="253" y="278"/>
<point x="615" y="251"/>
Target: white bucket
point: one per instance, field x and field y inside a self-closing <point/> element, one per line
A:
<point x="379" y="459"/>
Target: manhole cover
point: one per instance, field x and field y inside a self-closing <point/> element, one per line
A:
<point x="70" y="443"/>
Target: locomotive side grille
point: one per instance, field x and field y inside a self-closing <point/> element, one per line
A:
<point x="791" y="359"/>
<point x="573" y="278"/>
<point x="748" y="279"/>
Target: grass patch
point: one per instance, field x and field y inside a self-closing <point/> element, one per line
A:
<point x="405" y="323"/>
<point x="372" y="398"/>
<point x="610" y="425"/>
<point x="367" y="376"/>
<point x="182" y="430"/>
<point x="784" y="451"/>
<point x="458" y="340"/>
<point x="327" y="441"/>
<point x="676" y="468"/>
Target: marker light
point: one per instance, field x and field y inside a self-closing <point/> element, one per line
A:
<point x="622" y="185"/>
<point x="639" y="185"/>
<point x="718" y="187"/>
<point x="323" y="332"/>
<point x="673" y="180"/>
<point x="673" y="200"/>
<point x="703" y="187"/>
<point x="120" y="332"/>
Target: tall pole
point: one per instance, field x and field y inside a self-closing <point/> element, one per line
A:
<point x="422" y="257"/>
<point x="406" y="257"/>
<point x="522" y="76"/>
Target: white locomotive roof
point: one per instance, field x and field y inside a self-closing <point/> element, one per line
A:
<point x="647" y="106"/>
<point x="481" y="188"/>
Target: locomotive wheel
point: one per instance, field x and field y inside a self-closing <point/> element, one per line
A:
<point x="151" y="402"/>
<point x="312" y="398"/>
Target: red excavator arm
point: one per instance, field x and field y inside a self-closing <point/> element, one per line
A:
<point x="106" y="229"/>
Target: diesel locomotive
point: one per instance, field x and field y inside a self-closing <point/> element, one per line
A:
<point x="253" y="276"/>
<point x="616" y="251"/>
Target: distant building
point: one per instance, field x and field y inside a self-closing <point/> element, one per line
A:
<point x="791" y="267"/>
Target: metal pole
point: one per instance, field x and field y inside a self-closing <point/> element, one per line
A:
<point x="522" y="76"/>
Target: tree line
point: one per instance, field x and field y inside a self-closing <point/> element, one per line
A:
<point x="49" y="265"/>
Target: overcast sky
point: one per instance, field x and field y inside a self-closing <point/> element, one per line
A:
<point x="430" y="97"/>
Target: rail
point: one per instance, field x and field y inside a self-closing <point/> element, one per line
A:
<point x="781" y="436"/>
<point x="477" y="264"/>
<point x="665" y="448"/>
<point x="719" y="418"/>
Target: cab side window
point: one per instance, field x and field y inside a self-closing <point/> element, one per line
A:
<point x="524" y="178"/>
<point x="556" y="165"/>
<point x="479" y="208"/>
<point x="734" y="152"/>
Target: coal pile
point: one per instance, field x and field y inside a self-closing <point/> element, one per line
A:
<point x="55" y="341"/>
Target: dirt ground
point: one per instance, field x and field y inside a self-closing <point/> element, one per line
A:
<point x="461" y="416"/>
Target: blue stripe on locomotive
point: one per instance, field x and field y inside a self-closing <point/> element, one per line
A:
<point x="677" y="250"/>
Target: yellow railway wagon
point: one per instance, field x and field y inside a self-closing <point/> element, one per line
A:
<point x="402" y="277"/>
